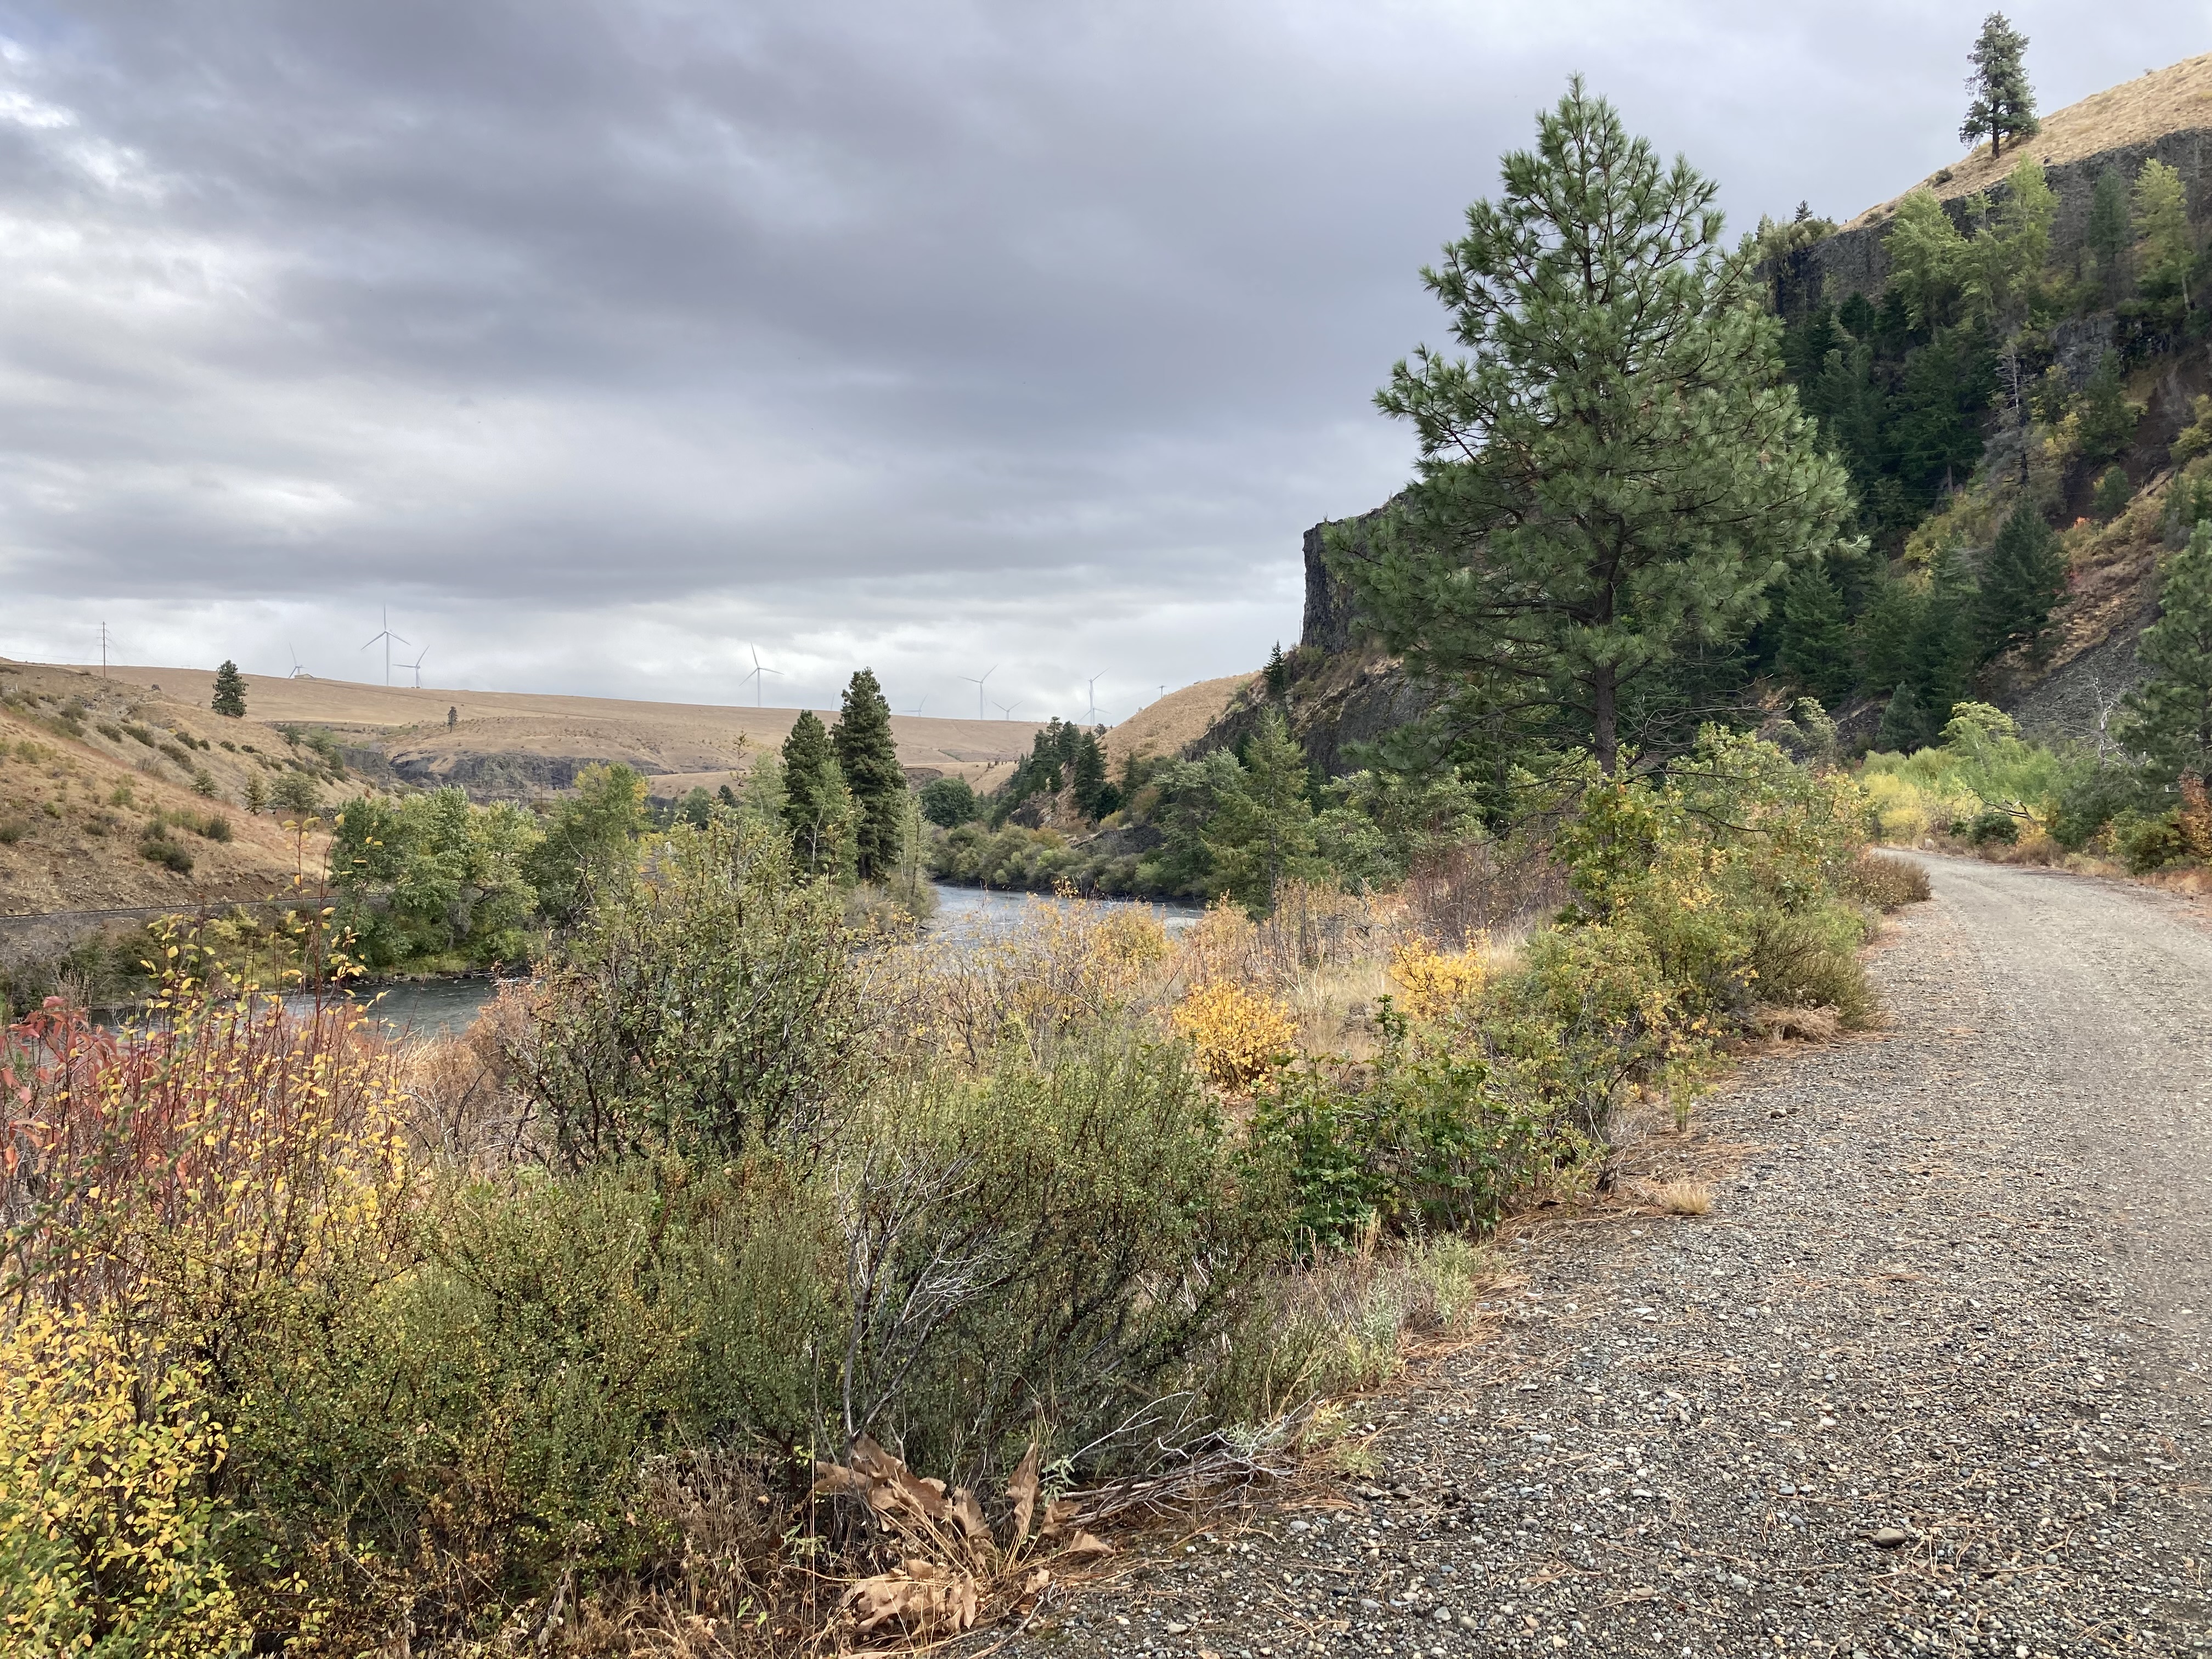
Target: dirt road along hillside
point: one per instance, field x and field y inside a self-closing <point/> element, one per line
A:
<point x="1931" y="1378"/>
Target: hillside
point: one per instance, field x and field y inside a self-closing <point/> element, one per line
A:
<point x="517" y="745"/>
<point x="87" y="764"/>
<point x="1947" y="419"/>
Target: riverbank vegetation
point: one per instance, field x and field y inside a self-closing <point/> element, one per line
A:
<point x="767" y="1273"/>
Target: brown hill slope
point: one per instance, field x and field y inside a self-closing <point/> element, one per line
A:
<point x="510" y="745"/>
<point x="86" y="765"/>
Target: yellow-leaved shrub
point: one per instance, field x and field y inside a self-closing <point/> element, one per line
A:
<point x="1236" y="1036"/>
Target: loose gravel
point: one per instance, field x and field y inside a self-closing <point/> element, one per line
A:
<point x="1930" y="1378"/>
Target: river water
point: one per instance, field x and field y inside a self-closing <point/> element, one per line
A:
<point x="432" y="1008"/>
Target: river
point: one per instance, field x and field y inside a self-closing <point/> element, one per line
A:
<point x="437" y="1007"/>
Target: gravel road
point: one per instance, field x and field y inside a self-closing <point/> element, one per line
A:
<point x="1935" y="1376"/>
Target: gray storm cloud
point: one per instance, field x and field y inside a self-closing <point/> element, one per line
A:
<point x="601" y="340"/>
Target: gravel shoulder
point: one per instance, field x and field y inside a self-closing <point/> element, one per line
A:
<point x="1935" y="1376"/>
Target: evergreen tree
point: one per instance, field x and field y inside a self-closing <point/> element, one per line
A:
<point x="2004" y="104"/>
<point x="2107" y="237"/>
<point x="1886" y="631"/>
<point x="2007" y="256"/>
<point x="2169" y="715"/>
<point x="2111" y="496"/>
<point x="819" y="812"/>
<point x="2022" y="579"/>
<point x="1278" y="674"/>
<point x="1944" y="650"/>
<point x="1261" y="832"/>
<point x="2106" y="415"/>
<point x="1930" y="260"/>
<point x="229" y="692"/>
<point x="257" y="793"/>
<point x="727" y="797"/>
<point x="1615" y="474"/>
<point x="1816" y="640"/>
<point x="869" y="759"/>
<point x="696" y="808"/>
<point x="1904" y="724"/>
<point x="2166" y="249"/>
<point x="1087" y="776"/>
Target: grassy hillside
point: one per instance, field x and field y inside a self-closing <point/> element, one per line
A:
<point x="88" y="766"/>
<point x="517" y="745"/>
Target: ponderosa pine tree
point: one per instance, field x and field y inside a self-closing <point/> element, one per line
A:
<point x="229" y="692"/>
<point x="2169" y="715"/>
<point x="868" y="756"/>
<point x="1087" y="775"/>
<point x="1816" y="636"/>
<point x="2004" y="104"/>
<point x="1615" y="474"/>
<point x="2022" y="579"/>
<point x="817" y="805"/>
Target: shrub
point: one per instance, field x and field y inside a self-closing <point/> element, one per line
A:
<point x="1885" y="881"/>
<point x="156" y="847"/>
<point x="108" y="1539"/>
<point x="949" y="802"/>
<point x="1065" y="1245"/>
<point x="1433" y="982"/>
<point x="2149" y="843"/>
<point x="13" y="831"/>
<point x="215" y="827"/>
<point x="1991" y="823"/>
<point x="1810" y="960"/>
<point x="112" y="732"/>
<point x="712" y="1006"/>
<point x="297" y="792"/>
<point x="1236" y="1036"/>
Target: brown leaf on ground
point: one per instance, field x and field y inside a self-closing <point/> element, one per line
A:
<point x="1021" y="1492"/>
<point x="920" y="1597"/>
<point x="882" y="1481"/>
<point x="969" y="1514"/>
<point x="1059" y="1515"/>
<point x="1086" y="1547"/>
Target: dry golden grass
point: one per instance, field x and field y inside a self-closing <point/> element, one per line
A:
<point x="79" y="802"/>
<point x="2176" y="98"/>
<point x="678" y="743"/>
<point x="1683" y="1197"/>
<point x="1181" y="717"/>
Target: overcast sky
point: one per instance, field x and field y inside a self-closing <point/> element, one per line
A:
<point x="605" y="343"/>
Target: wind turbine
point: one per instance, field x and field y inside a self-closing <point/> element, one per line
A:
<point x="1092" y="683"/>
<point x="920" y="702"/>
<point x="977" y="681"/>
<point x="417" y="665"/>
<point x="1006" y="709"/>
<point x="755" y="677"/>
<point x="299" y="669"/>
<point x="390" y="640"/>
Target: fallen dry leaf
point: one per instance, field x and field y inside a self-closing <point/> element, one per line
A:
<point x="1021" y="1491"/>
<point x="1086" y="1547"/>
<point x="920" y="1597"/>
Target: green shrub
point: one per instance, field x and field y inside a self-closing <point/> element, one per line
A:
<point x="13" y="831"/>
<point x="2149" y="843"/>
<point x="2093" y="797"/>
<point x="712" y="1006"/>
<point x="1991" y="823"/>
<point x="215" y="827"/>
<point x="1809" y="959"/>
<point x="949" y="802"/>
<point x="156" y="847"/>
<point x="1060" y="1246"/>
<point x="1434" y="1138"/>
<point x="112" y="732"/>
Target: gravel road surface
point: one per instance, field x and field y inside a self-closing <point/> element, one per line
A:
<point x="1934" y="1377"/>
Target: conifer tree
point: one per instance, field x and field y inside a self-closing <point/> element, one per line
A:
<point x="1087" y="775"/>
<point x="2107" y="415"/>
<point x="1904" y="723"/>
<point x="1816" y="638"/>
<point x="2166" y="248"/>
<point x="1261" y="831"/>
<point x="2169" y="715"/>
<point x="257" y="794"/>
<point x="1278" y="674"/>
<point x="818" y="806"/>
<point x="229" y="692"/>
<point x="868" y="756"/>
<point x="2004" y="103"/>
<point x="1615" y="474"/>
<point x="2107" y="236"/>
<point x="2022" y="580"/>
<point x="1944" y="649"/>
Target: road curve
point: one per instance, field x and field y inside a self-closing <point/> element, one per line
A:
<point x="1931" y="1377"/>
